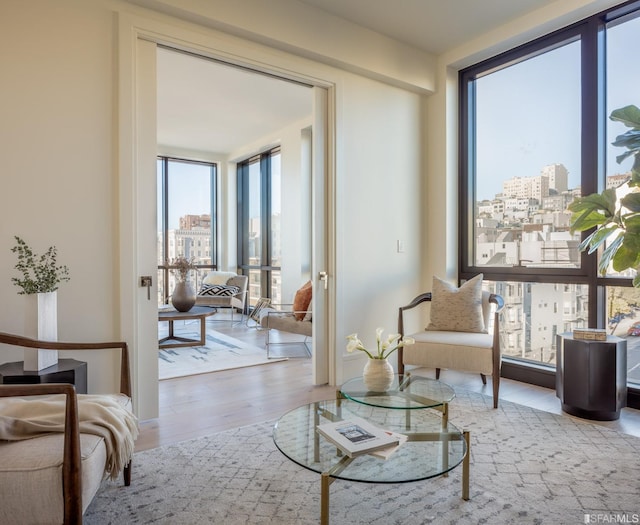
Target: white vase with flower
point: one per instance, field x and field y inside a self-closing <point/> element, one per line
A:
<point x="378" y="373"/>
<point x="40" y="275"/>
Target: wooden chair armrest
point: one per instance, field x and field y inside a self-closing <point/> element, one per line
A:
<point x="71" y="461"/>
<point x="125" y="374"/>
<point x="497" y="300"/>
<point x="423" y="297"/>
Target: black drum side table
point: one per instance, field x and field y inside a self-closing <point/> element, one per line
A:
<point x="65" y="371"/>
<point x="591" y="376"/>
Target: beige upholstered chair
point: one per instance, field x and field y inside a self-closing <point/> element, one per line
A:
<point x="215" y="294"/>
<point x="284" y="319"/>
<point x="467" y="351"/>
<point x="52" y="478"/>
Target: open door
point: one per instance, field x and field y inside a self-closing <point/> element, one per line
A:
<point x="322" y="239"/>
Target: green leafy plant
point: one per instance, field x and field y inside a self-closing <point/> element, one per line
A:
<point x="40" y="274"/>
<point x="616" y="222"/>
<point x="383" y="348"/>
<point x="181" y="266"/>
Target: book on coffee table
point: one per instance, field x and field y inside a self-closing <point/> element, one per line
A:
<point x="385" y="453"/>
<point x="356" y="436"/>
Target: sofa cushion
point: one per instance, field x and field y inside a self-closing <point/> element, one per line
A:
<point x="433" y="349"/>
<point x="301" y="301"/>
<point x="285" y="321"/>
<point x="31" y="474"/>
<point x="457" y="309"/>
<point x="222" y="290"/>
<point x="217" y="277"/>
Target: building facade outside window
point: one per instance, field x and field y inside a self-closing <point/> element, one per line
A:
<point x="535" y="135"/>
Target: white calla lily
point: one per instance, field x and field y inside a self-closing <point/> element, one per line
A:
<point x="384" y="348"/>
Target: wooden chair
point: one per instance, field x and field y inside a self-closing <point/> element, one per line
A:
<point x="465" y="351"/>
<point x="69" y="489"/>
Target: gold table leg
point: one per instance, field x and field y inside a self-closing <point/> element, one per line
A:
<point x="465" y="466"/>
<point x="325" y="481"/>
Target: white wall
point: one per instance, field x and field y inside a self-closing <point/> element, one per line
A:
<point x="380" y="186"/>
<point x="58" y="177"/>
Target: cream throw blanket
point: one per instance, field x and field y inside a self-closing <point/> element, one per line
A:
<point x="25" y="418"/>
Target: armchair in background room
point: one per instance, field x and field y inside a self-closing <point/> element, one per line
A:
<point x="457" y="336"/>
<point x="295" y="318"/>
<point x="224" y="290"/>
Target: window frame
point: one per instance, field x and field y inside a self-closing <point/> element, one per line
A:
<point x="265" y="267"/>
<point x="592" y="34"/>
<point x="164" y="269"/>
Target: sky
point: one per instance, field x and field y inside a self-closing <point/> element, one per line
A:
<point x="528" y="114"/>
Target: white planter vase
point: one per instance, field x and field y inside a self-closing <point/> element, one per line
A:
<point x="37" y="359"/>
<point x="378" y="375"/>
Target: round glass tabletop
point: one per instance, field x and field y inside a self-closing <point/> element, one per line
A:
<point x="406" y="392"/>
<point x="433" y="446"/>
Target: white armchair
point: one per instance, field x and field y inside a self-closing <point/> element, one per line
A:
<point x="224" y="290"/>
<point x="468" y="351"/>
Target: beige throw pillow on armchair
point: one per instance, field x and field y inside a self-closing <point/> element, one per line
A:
<point x="456" y="309"/>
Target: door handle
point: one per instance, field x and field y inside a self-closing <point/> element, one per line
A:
<point x="147" y="281"/>
<point x="324" y="277"/>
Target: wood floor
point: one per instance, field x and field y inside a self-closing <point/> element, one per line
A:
<point x="203" y="404"/>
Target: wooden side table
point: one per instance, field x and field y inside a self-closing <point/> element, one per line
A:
<point x="199" y="313"/>
<point x="65" y="371"/>
<point x="591" y="376"/>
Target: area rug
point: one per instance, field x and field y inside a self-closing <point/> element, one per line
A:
<point x="220" y="353"/>
<point x="527" y="467"/>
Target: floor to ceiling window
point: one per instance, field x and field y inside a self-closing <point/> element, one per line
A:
<point x="259" y="212"/>
<point x="187" y="219"/>
<point x="534" y="136"/>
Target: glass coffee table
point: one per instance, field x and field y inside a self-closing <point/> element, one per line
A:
<point x="407" y="392"/>
<point x="433" y="448"/>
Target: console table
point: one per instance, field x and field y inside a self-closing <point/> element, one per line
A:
<point x="591" y="376"/>
<point x="65" y="371"/>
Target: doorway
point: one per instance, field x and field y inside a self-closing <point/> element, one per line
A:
<point x="138" y="149"/>
<point x="239" y="130"/>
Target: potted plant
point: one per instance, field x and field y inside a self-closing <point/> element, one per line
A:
<point x="184" y="296"/>
<point x="616" y="221"/>
<point x="41" y="275"/>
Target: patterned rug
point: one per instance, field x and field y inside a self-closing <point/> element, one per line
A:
<point x="220" y="353"/>
<point x="527" y="467"/>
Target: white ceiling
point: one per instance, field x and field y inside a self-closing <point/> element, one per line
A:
<point x="431" y="25"/>
<point x="206" y="106"/>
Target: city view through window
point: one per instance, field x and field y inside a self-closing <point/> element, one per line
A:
<point x="525" y="160"/>
<point x="186" y="220"/>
